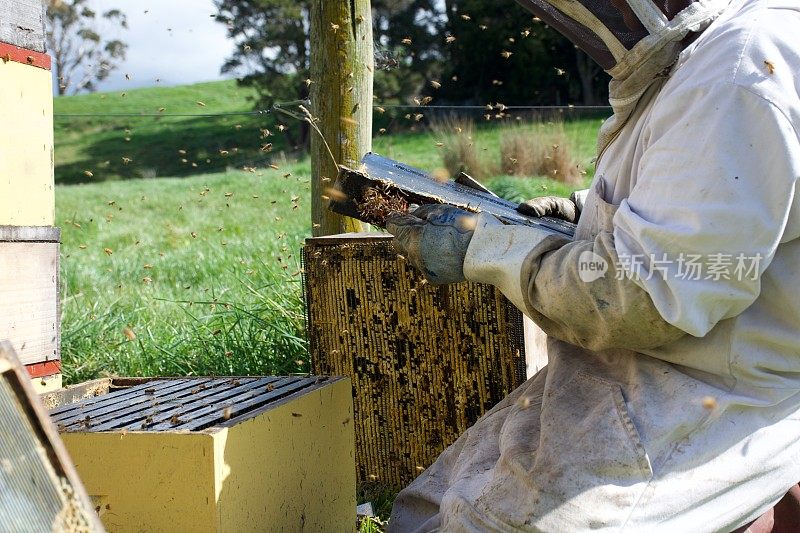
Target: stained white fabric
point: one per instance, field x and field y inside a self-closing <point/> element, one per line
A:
<point x="645" y="64"/>
<point x="701" y="433"/>
<point x="497" y="253"/>
<point x="579" y="197"/>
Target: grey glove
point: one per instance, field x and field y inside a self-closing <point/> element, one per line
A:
<point x="551" y="206"/>
<point x="434" y="238"/>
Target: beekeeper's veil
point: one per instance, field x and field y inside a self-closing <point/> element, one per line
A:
<point x="633" y="40"/>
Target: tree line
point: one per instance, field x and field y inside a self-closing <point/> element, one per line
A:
<point x="458" y="51"/>
<point x="452" y="52"/>
<point x="468" y="51"/>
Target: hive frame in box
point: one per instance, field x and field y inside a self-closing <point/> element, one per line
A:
<point x="426" y="361"/>
<point x="401" y="184"/>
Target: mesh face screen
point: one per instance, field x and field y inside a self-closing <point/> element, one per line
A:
<point x="584" y="37"/>
<point x="672" y="7"/>
<point x="629" y="33"/>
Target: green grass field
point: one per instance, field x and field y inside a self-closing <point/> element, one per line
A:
<point x="111" y="147"/>
<point x="199" y="274"/>
<point x="184" y="276"/>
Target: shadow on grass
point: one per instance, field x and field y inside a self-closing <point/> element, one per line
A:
<point x="150" y="147"/>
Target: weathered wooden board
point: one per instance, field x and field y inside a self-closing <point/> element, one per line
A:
<point x="29" y="299"/>
<point x="30" y="234"/>
<point x="22" y="23"/>
<point x="27" y="197"/>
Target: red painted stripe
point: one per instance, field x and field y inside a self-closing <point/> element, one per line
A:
<point x="42" y="370"/>
<point x="9" y="52"/>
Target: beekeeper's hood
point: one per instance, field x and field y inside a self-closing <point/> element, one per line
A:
<point x="633" y="40"/>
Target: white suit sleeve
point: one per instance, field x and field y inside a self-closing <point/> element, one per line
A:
<point x="716" y="182"/>
<point x="541" y="274"/>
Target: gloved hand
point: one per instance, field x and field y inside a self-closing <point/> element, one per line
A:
<point x="434" y="238"/>
<point x="551" y="206"/>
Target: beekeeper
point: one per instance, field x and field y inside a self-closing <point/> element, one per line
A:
<point x="670" y="402"/>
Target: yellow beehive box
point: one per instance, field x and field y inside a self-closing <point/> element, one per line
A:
<point x="213" y="454"/>
<point x="27" y="197"/>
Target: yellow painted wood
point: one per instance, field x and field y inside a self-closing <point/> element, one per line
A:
<point x="148" y="481"/>
<point x="27" y="197"/>
<point x="43" y="385"/>
<point x="29" y="298"/>
<point x="290" y="468"/>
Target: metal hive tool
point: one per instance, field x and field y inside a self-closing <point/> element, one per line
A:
<point x="188" y="404"/>
<point x="415" y="186"/>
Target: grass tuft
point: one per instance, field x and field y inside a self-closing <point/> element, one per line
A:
<point x="541" y="151"/>
<point x="459" y="152"/>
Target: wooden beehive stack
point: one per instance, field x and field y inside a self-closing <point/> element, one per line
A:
<point x="426" y="362"/>
<point x="29" y="242"/>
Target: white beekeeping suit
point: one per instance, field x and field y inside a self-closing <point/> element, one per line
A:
<point x="671" y="399"/>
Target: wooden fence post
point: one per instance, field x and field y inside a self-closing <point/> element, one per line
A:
<point x="341" y="98"/>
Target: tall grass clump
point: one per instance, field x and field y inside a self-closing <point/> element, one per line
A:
<point x="542" y="151"/>
<point x="459" y="151"/>
<point x="253" y="326"/>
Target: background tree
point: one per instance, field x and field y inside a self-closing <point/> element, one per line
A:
<point x="507" y="55"/>
<point x="272" y="52"/>
<point x="407" y="33"/>
<point x="456" y="51"/>
<point x="83" y="57"/>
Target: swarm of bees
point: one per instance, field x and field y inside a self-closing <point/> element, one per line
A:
<point x="379" y="204"/>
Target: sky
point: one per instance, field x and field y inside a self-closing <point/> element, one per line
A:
<point x="193" y="51"/>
